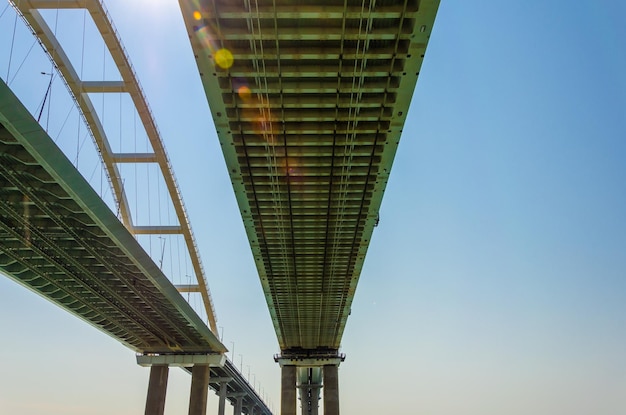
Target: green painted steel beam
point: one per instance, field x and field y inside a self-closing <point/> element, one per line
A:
<point x="309" y="101"/>
<point x="58" y="238"/>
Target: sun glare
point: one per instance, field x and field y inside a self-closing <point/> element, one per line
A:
<point x="224" y="58"/>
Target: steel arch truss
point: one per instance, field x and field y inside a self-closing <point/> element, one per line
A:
<point x="80" y="90"/>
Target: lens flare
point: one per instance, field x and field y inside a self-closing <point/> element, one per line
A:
<point x="244" y="92"/>
<point x="294" y="171"/>
<point x="224" y="58"/>
<point x="205" y="37"/>
<point x="265" y="128"/>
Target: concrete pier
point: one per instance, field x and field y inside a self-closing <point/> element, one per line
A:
<point x="238" y="405"/>
<point x="288" y="390"/>
<point x="222" y="395"/>
<point x="157" y="387"/>
<point x="331" y="390"/>
<point x="199" y="389"/>
<point x="309" y="398"/>
<point x="314" y="400"/>
<point x="206" y="369"/>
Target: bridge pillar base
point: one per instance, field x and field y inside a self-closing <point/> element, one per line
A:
<point x="157" y="387"/>
<point x="288" y="390"/>
<point x="199" y="389"/>
<point x="331" y="390"/>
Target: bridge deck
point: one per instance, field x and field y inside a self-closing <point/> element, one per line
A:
<point x="309" y="99"/>
<point x="62" y="241"/>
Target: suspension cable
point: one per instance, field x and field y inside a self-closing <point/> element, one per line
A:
<point x="104" y="66"/>
<point x="135" y="168"/>
<point x="82" y="67"/>
<point x="56" y="21"/>
<point x="64" y="122"/>
<point x="12" y="43"/>
<point x="45" y="97"/>
<point x="4" y="10"/>
<point x="22" y="64"/>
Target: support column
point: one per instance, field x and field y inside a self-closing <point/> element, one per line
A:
<point x="199" y="389"/>
<point x="157" y="386"/>
<point x="251" y="409"/>
<point x="310" y="404"/>
<point x="288" y="391"/>
<point x="223" y="393"/>
<point x="303" y="389"/>
<point x="238" y="405"/>
<point x="331" y="390"/>
<point x="315" y="402"/>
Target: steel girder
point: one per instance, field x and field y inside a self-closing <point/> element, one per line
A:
<point x="309" y="99"/>
<point x="58" y="238"/>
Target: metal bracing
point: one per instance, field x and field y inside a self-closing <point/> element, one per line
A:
<point x="80" y="89"/>
<point x="309" y="99"/>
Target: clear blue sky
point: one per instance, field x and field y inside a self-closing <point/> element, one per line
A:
<point x="496" y="280"/>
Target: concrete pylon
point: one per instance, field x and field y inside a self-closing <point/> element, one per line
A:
<point x="222" y="395"/>
<point x="199" y="389"/>
<point x="309" y="398"/>
<point x="314" y="400"/>
<point x="157" y="387"/>
<point x="238" y="405"/>
<point x="331" y="390"/>
<point x="288" y="390"/>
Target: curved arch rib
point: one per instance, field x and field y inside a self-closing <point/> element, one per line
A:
<point x="79" y="89"/>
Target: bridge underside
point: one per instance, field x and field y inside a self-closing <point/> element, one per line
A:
<point x="309" y="99"/>
<point x="58" y="238"/>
